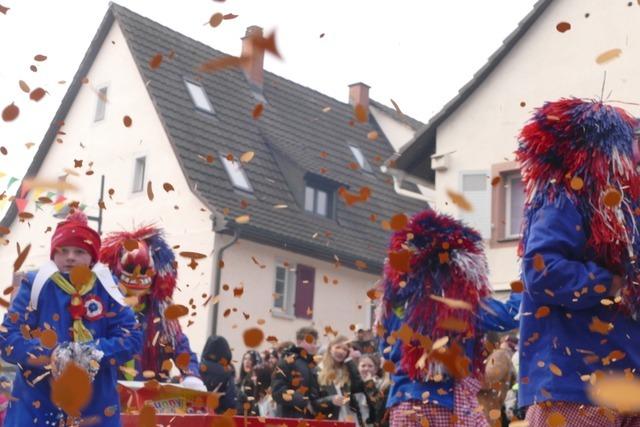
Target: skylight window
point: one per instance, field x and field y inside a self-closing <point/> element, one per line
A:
<point x="199" y="97"/>
<point x="361" y="159"/>
<point x="236" y="174"/>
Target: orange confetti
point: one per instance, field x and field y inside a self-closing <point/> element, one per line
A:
<point x="253" y="337"/>
<point x="243" y="219"/>
<point x="399" y="222"/>
<point x="80" y="275"/>
<point x="40" y="58"/>
<point x="399" y="260"/>
<point x="372" y="136"/>
<point x="24" y="86"/>
<point x="576" y="183"/>
<point x="612" y="198"/>
<point x="388" y="366"/>
<point x="126" y="120"/>
<point x="361" y="265"/>
<point x="216" y="19"/>
<point x="538" y="262"/>
<point x="599" y="326"/>
<point x="459" y="200"/>
<point x="555" y="370"/>
<point x="37" y="94"/>
<point x="221" y="63"/>
<point x="48" y="338"/>
<point x="22" y="256"/>
<point x="360" y="113"/>
<point x="517" y="286"/>
<point x="495" y="181"/>
<point x="10" y="112"/>
<point x="72" y="390"/>
<point x="556" y="419"/>
<point x="247" y="156"/>
<point x="563" y="27"/>
<point x="175" y="311"/>
<point x="257" y="110"/>
<point x="150" y="191"/>
<point x="541" y="312"/>
<point x="155" y="62"/>
<point x="167" y="187"/>
<point x="453" y="303"/>
<point x="619" y="392"/>
<point x="608" y="56"/>
<point x="374" y="294"/>
<point x="182" y="360"/>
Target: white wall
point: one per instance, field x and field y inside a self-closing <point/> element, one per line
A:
<point x="545" y="65"/>
<point x="338" y="306"/>
<point x="112" y="147"/>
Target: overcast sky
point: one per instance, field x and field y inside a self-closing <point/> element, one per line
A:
<point x="418" y="52"/>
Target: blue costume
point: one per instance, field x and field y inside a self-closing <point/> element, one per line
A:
<point x="115" y="332"/>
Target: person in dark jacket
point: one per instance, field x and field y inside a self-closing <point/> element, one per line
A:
<point x="217" y="372"/>
<point x="339" y="382"/>
<point x="294" y="385"/>
<point x="247" y="385"/>
<point x="580" y="246"/>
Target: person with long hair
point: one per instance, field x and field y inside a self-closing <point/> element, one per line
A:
<point x="339" y="382"/>
<point x="247" y="386"/>
<point x="376" y="388"/>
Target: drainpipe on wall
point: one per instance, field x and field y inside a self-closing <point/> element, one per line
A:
<point x="218" y="226"/>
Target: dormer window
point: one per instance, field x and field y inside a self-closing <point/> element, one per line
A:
<point x="236" y="174"/>
<point x="199" y="97"/>
<point x="319" y="199"/>
<point x="361" y="159"/>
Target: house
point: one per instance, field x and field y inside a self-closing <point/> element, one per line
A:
<point x="252" y="202"/>
<point x="468" y="147"/>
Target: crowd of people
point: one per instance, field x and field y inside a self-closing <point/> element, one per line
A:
<point x="342" y="380"/>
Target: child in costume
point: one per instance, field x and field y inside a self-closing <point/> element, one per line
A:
<point x="92" y="323"/>
<point x="436" y="307"/>
<point x="147" y="268"/>
<point x="579" y="258"/>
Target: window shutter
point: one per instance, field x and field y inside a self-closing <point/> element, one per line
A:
<point x="476" y="189"/>
<point x="305" y="286"/>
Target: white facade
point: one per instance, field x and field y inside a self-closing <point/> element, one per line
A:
<point x="544" y="65"/>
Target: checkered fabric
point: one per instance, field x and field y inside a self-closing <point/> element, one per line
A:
<point x="466" y="411"/>
<point x="574" y="414"/>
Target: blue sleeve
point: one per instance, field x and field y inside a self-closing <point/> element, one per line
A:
<point x="16" y="349"/>
<point x="182" y="346"/>
<point x="556" y="233"/>
<point x="500" y="316"/>
<point x="124" y="336"/>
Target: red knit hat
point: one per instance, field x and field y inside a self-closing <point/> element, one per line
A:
<point x="75" y="231"/>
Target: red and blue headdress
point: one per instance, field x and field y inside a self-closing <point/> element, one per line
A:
<point x="446" y="260"/>
<point x="584" y="149"/>
<point x="145" y="263"/>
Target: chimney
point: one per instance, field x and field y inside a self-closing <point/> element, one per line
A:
<point x="359" y="95"/>
<point x="254" y="69"/>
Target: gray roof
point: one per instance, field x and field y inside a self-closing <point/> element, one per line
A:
<point x="415" y="157"/>
<point x="287" y="141"/>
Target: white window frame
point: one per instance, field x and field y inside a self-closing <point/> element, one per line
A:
<point x="201" y="104"/>
<point x="134" y="188"/>
<point x="360" y="158"/>
<point x="289" y="296"/>
<point x="507" y="206"/>
<point x="233" y="169"/>
<point x="101" y="105"/>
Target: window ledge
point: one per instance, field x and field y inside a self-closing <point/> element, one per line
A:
<point x="282" y="315"/>
<point x="509" y="239"/>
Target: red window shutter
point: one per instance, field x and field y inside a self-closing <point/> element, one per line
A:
<point x="305" y="287"/>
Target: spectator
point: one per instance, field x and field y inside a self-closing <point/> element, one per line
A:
<point x="339" y="382"/>
<point x="266" y="405"/>
<point x="217" y="372"/>
<point x="247" y="387"/>
<point x="376" y="388"/>
<point x="364" y="342"/>
<point x="271" y="357"/>
<point x="295" y="383"/>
